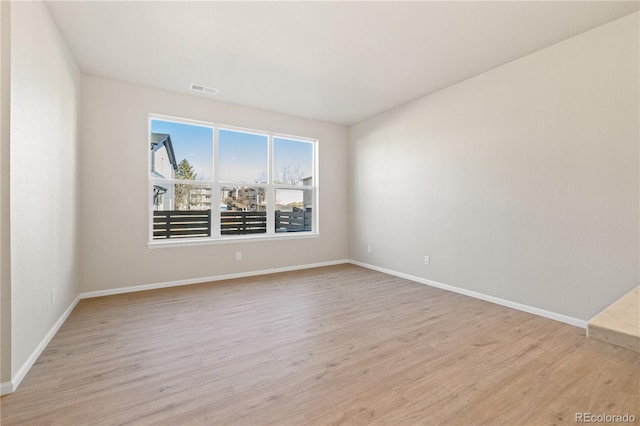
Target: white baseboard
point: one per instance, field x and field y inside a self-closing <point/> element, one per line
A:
<point x="8" y="387"/>
<point x="166" y="284"/>
<point x="508" y="303"/>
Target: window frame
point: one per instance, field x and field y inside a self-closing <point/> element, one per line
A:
<point x="215" y="231"/>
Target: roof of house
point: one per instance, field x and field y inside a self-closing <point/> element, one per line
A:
<point x="158" y="140"/>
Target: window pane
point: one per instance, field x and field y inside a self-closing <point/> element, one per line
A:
<point x="181" y="211"/>
<point x="243" y="210"/>
<point x="292" y="162"/>
<point x="242" y="157"/>
<point x="293" y="210"/>
<point x="243" y="198"/>
<point x="181" y="151"/>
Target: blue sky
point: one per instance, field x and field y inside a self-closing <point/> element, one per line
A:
<point x="288" y="152"/>
<point x="242" y="156"/>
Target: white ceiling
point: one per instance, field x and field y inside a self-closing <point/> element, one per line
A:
<point x="333" y="61"/>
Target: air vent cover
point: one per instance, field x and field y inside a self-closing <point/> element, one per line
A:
<point x="204" y="89"/>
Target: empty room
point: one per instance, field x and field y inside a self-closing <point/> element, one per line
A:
<point x="319" y="212"/>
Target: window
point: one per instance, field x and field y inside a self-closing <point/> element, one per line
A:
<point x="211" y="182"/>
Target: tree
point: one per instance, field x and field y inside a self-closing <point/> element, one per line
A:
<point x="291" y="174"/>
<point x="183" y="190"/>
<point x="243" y="199"/>
<point x="261" y="191"/>
<point x="185" y="171"/>
<point x="261" y="178"/>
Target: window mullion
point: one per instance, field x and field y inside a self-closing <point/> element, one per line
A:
<point x="316" y="196"/>
<point x="271" y="192"/>
<point x="150" y="208"/>
<point x="215" y="212"/>
<point x="215" y="189"/>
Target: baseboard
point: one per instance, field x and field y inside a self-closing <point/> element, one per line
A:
<point x="11" y="386"/>
<point x="121" y="290"/>
<point x="508" y="303"/>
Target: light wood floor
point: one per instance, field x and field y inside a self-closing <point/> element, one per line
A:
<point x="335" y="345"/>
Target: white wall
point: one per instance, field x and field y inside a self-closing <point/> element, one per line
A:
<point x="114" y="208"/>
<point x="45" y="84"/>
<point x="521" y="183"/>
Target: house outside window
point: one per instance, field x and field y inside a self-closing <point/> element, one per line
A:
<point x="214" y="183"/>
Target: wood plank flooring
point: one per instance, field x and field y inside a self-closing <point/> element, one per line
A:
<point x="326" y="346"/>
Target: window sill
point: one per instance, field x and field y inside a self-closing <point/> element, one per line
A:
<point x="186" y="242"/>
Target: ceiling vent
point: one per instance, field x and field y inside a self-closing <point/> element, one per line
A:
<point x="204" y="89"/>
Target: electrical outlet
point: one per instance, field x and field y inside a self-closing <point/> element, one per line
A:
<point x="238" y="255"/>
<point x="369" y="249"/>
<point x="427" y="260"/>
<point x="53" y="296"/>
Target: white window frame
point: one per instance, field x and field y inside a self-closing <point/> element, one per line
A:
<point x="216" y="184"/>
